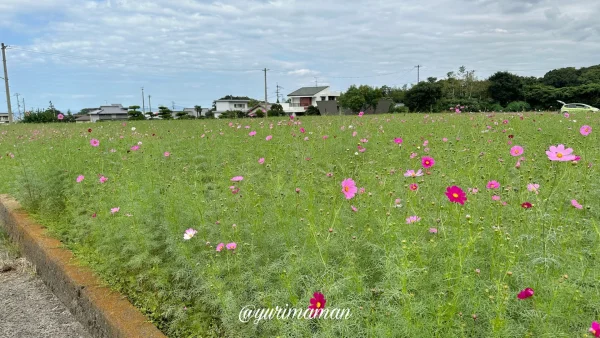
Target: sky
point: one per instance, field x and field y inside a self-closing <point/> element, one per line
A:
<point x="84" y="53"/>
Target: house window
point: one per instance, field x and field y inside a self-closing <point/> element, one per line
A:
<point x="323" y="98"/>
<point x="239" y="105"/>
<point x="332" y="98"/>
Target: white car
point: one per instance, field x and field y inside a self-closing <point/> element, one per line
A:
<point x="577" y="108"/>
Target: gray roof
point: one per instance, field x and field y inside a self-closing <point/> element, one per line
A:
<point x="83" y="118"/>
<point x="109" y="110"/>
<point x="308" y="91"/>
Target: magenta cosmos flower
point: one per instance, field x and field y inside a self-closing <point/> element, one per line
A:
<point x="576" y="204"/>
<point x="94" y="142"/>
<point x="189" y="233"/>
<point x="526" y="293"/>
<point x="493" y="185"/>
<point x="220" y="247"/>
<point x="595" y="329"/>
<point x="103" y="179"/>
<point x="80" y="178"/>
<point x="231" y="246"/>
<point x="237" y="178"/>
<point x="427" y="162"/>
<point x="349" y="188"/>
<point x="261" y="160"/>
<point x="585" y="130"/>
<point x="413" y="187"/>
<point x="317" y="303"/>
<point x="559" y="153"/>
<point x="516" y="151"/>
<point x="456" y="195"/>
<point x="398" y="140"/>
<point x="252" y="133"/>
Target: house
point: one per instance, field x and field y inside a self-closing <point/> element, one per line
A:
<point x="113" y="112"/>
<point x="304" y="97"/>
<point x="83" y="119"/>
<point x="194" y="113"/>
<point x="3" y="118"/>
<point x="230" y="102"/>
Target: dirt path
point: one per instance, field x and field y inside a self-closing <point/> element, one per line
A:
<point x="27" y="307"/>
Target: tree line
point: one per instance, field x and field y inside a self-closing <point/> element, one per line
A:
<point x="503" y="91"/>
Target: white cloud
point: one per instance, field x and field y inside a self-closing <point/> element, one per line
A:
<point x="226" y="43"/>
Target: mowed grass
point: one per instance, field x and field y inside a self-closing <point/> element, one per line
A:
<point x="296" y="233"/>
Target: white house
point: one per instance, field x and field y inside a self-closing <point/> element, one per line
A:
<point x="114" y="112"/>
<point x="231" y="103"/>
<point x="309" y="96"/>
<point x="3" y="117"/>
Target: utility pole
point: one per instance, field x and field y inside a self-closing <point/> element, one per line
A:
<point x="418" y="73"/>
<point x="24" y="109"/>
<point x="266" y="102"/>
<point x="149" y="104"/>
<point x="173" y="105"/>
<point x="316" y="81"/>
<point x="18" y="103"/>
<point x="277" y="91"/>
<point x="143" y="102"/>
<point x="10" y="117"/>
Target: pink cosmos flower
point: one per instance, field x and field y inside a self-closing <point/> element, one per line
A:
<point x="526" y="293"/>
<point x="425" y="143"/>
<point x="533" y="187"/>
<point x="566" y="115"/>
<point x="414" y="187"/>
<point x="361" y="190"/>
<point x="349" y="188"/>
<point x="412" y="219"/>
<point x="261" y="160"/>
<point x="445" y="139"/>
<point x="496" y="198"/>
<point x="167" y="154"/>
<point x="115" y="210"/>
<point x="231" y="246"/>
<point x="252" y="133"/>
<point x="329" y="174"/>
<point x="361" y="149"/>
<point x="397" y="201"/>
<point x="237" y="178"/>
<point x="364" y="140"/>
<point x="94" y="142"/>
<point x="60" y="116"/>
<point x="411" y="173"/>
<point x="135" y="148"/>
<point x="473" y="190"/>
<point x="559" y="153"/>
<point x="297" y="190"/>
<point x="595" y="329"/>
<point x="361" y="114"/>
<point x="433" y="230"/>
<point x="220" y="247"/>
<point x="325" y="137"/>
<point x="585" y="130"/>
<point x="576" y="204"/>
<point x="354" y="208"/>
<point x="354" y="133"/>
<point x="516" y="151"/>
<point x="268" y="138"/>
<point x="427" y="162"/>
<point x="413" y="155"/>
<point x="302" y="130"/>
<point x="306" y="138"/>
<point x="80" y="178"/>
<point x="493" y="185"/>
<point x="103" y="179"/>
<point x="189" y="233"/>
<point x="398" y="140"/>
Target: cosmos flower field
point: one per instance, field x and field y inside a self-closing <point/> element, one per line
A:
<point x="440" y="225"/>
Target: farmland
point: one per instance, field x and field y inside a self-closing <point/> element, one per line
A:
<point x="448" y="250"/>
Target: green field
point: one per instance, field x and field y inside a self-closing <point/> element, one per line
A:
<point x="296" y="232"/>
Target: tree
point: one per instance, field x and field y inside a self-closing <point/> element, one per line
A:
<point x="165" y="113"/>
<point x="361" y="98"/>
<point x="276" y="110"/>
<point x="182" y="115"/>
<point x="423" y="96"/>
<point x="198" y="110"/>
<point x="505" y="87"/>
<point x="253" y="103"/>
<point x="134" y="113"/>
<point x="562" y="77"/>
<point x="312" y="110"/>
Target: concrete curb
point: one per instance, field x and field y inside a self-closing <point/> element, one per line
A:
<point x="103" y="312"/>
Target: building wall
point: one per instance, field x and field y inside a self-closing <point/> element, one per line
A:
<point x="226" y="105"/>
